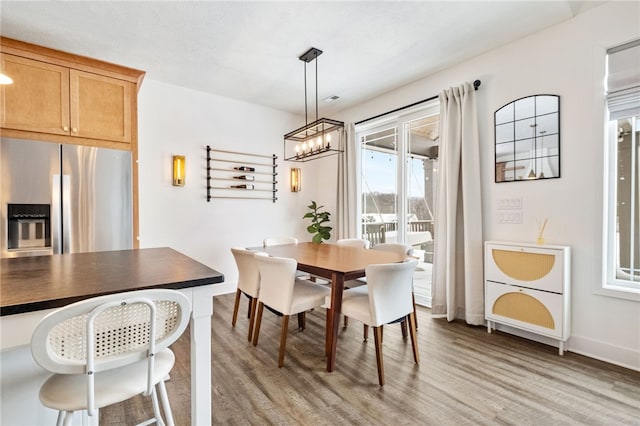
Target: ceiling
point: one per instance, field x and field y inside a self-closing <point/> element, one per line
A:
<point x="249" y="50"/>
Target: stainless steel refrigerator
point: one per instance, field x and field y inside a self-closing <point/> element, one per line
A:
<point x="60" y="198"/>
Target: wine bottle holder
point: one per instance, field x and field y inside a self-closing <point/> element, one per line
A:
<point x="240" y="175"/>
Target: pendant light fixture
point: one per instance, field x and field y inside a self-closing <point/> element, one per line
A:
<point x="320" y="138"/>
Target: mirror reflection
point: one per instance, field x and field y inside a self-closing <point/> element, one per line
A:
<point x="527" y="139"/>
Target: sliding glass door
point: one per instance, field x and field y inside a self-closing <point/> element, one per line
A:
<point x="399" y="165"/>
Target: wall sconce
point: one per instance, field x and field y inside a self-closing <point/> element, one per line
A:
<point x="179" y="165"/>
<point x="296" y="177"/>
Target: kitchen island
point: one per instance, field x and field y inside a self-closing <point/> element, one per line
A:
<point x="30" y="287"/>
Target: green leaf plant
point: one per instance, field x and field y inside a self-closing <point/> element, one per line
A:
<point x="318" y="219"/>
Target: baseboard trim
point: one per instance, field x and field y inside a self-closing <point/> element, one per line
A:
<point x="617" y="355"/>
<point x="624" y="357"/>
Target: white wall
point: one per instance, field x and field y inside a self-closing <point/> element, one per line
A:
<point x="567" y="60"/>
<point x="174" y="120"/>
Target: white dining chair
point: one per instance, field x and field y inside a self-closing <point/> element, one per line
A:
<point x="353" y="242"/>
<point x="285" y="295"/>
<point x="248" y="284"/>
<point x="405" y="250"/>
<point x="278" y="241"/>
<point x="100" y="351"/>
<point x="387" y="298"/>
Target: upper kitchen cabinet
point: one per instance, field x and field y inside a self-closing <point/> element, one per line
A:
<point x="38" y="99"/>
<point x="61" y="97"/>
<point x="101" y="107"/>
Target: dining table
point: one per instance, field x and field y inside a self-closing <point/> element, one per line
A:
<point x="31" y="287"/>
<point x="338" y="264"/>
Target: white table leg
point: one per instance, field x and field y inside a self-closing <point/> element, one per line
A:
<point x="201" y="311"/>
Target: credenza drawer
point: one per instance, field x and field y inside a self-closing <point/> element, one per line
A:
<point x="525" y="266"/>
<point x="528" y="309"/>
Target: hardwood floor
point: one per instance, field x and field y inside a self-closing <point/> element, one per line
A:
<point x="466" y="377"/>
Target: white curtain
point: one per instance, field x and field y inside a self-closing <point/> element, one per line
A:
<point x="347" y="216"/>
<point x="457" y="288"/>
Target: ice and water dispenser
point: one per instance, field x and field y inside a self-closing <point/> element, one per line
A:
<point x="29" y="226"/>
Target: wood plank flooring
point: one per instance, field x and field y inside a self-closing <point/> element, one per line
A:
<point x="466" y="377"/>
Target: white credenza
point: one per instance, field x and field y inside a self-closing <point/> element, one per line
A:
<point x="527" y="286"/>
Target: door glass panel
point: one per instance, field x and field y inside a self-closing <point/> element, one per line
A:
<point x="421" y="185"/>
<point x="379" y="185"/>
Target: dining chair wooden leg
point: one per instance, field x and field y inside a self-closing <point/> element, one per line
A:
<point x="256" y="331"/>
<point x="415" y="314"/>
<point x="236" y="305"/>
<point x="403" y="326"/>
<point x="302" y="321"/>
<point x="377" y="336"/>
<point x="365" y="330"/>
<point x="381" y="333"/>
<point x="283" y="339"/>
<point x="414" y="337"/>
<point x="252" y="316"/>
<point x="326" y="340"/>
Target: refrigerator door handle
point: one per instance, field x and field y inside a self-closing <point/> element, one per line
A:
<point x="56" y="228"/>
<point x="66" y="214"/>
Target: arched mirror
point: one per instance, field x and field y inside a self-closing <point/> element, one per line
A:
<point x="527" y="139"/>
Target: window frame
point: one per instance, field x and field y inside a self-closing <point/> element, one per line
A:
<point x="620" y="104"/>
<point x="611" y="284"/>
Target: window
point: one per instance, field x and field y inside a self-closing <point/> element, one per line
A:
<point x="399" y="163"/>
<point x="623" y="168"/>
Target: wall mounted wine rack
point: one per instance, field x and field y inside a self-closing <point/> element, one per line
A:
<point x="240" y="175"/>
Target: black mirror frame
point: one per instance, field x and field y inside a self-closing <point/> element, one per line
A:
<point x="535" y="138"/>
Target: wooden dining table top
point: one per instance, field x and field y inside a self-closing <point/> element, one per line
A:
<point x="327" y="258"/>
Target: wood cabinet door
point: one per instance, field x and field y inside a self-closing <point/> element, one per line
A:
<point x="101" y="107"/>
<point x="38" y="99"/>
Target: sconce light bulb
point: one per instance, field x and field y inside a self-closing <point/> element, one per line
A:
<point x="5" y="79"/>
<point x="304" y="146"/>
<point x="297" y="148"/>
<point x="328" y="138"/>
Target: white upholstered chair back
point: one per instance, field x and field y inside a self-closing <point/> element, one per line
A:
<point x="404" y="249"/>
<point x="353" y="242"/>
<point x="277" y="278"/>
<point x="248" y="272"/>
<point x="390" y="291"/>
<point x="278" y="241"/>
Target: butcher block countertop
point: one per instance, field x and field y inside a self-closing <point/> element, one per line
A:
<point x="43" y="282"/>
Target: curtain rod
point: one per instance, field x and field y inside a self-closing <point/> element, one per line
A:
<point x="476" y="84"/>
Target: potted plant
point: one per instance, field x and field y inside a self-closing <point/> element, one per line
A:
<point x="318" y="218"/>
